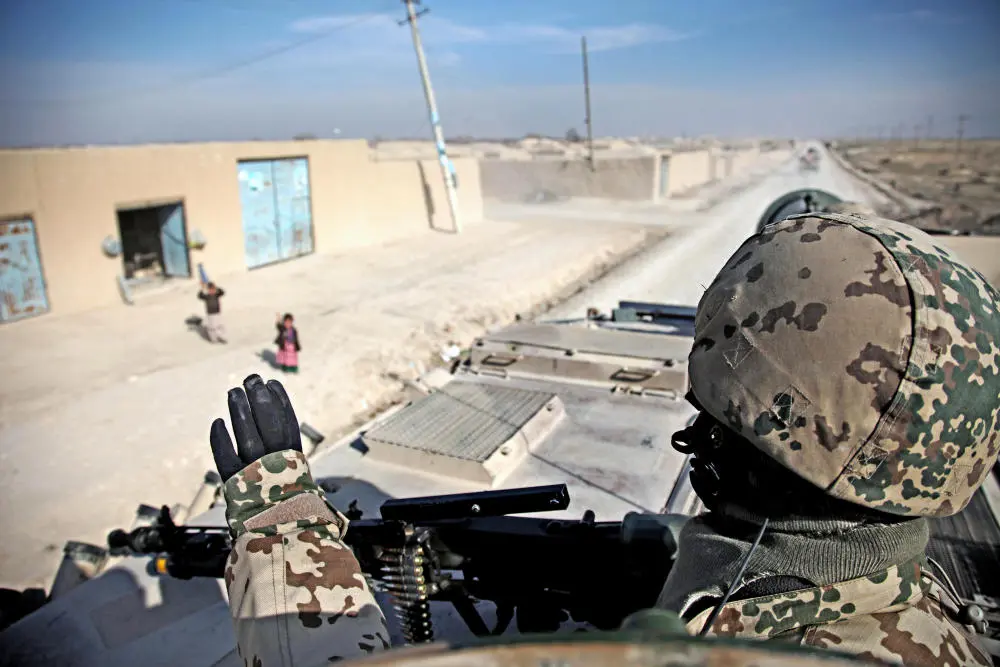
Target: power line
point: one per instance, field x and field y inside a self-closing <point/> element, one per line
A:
<point x="278" y="6"/>
<point x="208" y="74"/>
<point x="283" y="6"/>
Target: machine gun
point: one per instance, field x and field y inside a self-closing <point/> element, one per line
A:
<point x="462" y="548"/>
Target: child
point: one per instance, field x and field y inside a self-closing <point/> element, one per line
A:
<point x="211" y="294"/>
<point x="288" y="343"/>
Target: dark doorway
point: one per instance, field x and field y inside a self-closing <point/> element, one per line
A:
<point x="154" y="243"/>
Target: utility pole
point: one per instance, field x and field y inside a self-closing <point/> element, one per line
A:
<point x="586" y="97"/>
<point x="961" y="133"/>
<point x="447" y="168"/>
<point x="930" y="125"/>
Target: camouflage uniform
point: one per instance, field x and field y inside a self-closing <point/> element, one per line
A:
<point x="896" y="616"/>
<point x="865" y="358"/>
<point x="296" y="592"/>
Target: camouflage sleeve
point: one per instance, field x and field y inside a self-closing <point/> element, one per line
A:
<point x="296" y="592"/>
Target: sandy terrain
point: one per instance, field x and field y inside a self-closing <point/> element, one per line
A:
<point x="961" y="190"/>
<point x="108" y="409"/>
<point x="530" y="148"/>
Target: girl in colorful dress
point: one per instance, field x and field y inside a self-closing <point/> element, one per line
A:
<point x="288" y="344"/>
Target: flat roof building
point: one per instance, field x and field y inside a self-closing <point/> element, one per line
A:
<point x="87" y="227"/>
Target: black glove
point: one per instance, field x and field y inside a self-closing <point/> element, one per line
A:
<point x="263" y="422"/>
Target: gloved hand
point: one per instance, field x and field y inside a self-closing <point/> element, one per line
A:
<point x="268" y="486"/>
<point x="296" y="592"/>
<point x="263" y="422"/>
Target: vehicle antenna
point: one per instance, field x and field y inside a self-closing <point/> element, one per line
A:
<point x="736" y="581"/>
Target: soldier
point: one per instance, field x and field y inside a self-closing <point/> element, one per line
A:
<point x="847" y="374"/>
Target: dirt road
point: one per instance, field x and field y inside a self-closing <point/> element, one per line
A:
<point x="678" y="269"/>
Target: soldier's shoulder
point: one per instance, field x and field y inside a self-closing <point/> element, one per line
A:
<point x="921" y="635"/>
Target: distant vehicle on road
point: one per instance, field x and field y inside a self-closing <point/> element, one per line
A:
<point x="809" y="160"/>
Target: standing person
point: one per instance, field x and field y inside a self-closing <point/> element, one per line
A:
<point x="210" y="294"/>
<point x="288" y="343"/>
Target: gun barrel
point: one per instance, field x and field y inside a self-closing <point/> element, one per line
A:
<point x="482" y="503"/>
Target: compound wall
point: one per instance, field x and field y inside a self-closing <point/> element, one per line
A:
<point x="642" y="178"/>
<point x="743" y="160"/>
<point x="73" y="195"/>
<point x="520" y="180"/>
<point x="685" y="171"/>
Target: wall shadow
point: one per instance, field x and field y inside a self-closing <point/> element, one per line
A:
<point x="428" y="198"/>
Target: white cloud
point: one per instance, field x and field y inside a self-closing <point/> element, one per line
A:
<point x="448" y="59"/>
<point x="444" y="30"/>
<point x="920" y="16"/>
<point x="325" y="23"/>
<point x="200" y="112"/>
<point x="605" y="38"/>
<point x="385" y="29"/>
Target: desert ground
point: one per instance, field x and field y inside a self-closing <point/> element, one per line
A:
<point x="958" y="186"/>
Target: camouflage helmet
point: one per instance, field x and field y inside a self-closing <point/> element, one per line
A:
<point x="859" y="354"/>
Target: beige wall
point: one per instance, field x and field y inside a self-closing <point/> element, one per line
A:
<point x="722" y="166"/>
<point x="742" y="160"/>
<point x="611" y="178"/>
<point x="73" y="196"/>
<point x="687" y="170"/>
<point x="632" y="178"/>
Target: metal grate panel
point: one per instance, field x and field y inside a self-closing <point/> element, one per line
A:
<point x="462" y="420"/>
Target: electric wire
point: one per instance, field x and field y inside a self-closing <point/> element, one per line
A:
<point x="113" y="96"/>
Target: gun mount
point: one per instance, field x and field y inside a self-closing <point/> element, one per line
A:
<point x="463" y="548"/>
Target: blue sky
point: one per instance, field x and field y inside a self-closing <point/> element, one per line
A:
<point x="123" y="71"/>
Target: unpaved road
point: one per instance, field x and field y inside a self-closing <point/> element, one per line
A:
<point x="679" y="268"/>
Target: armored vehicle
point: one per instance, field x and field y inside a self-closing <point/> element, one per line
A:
<point x="566" y="424"/>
